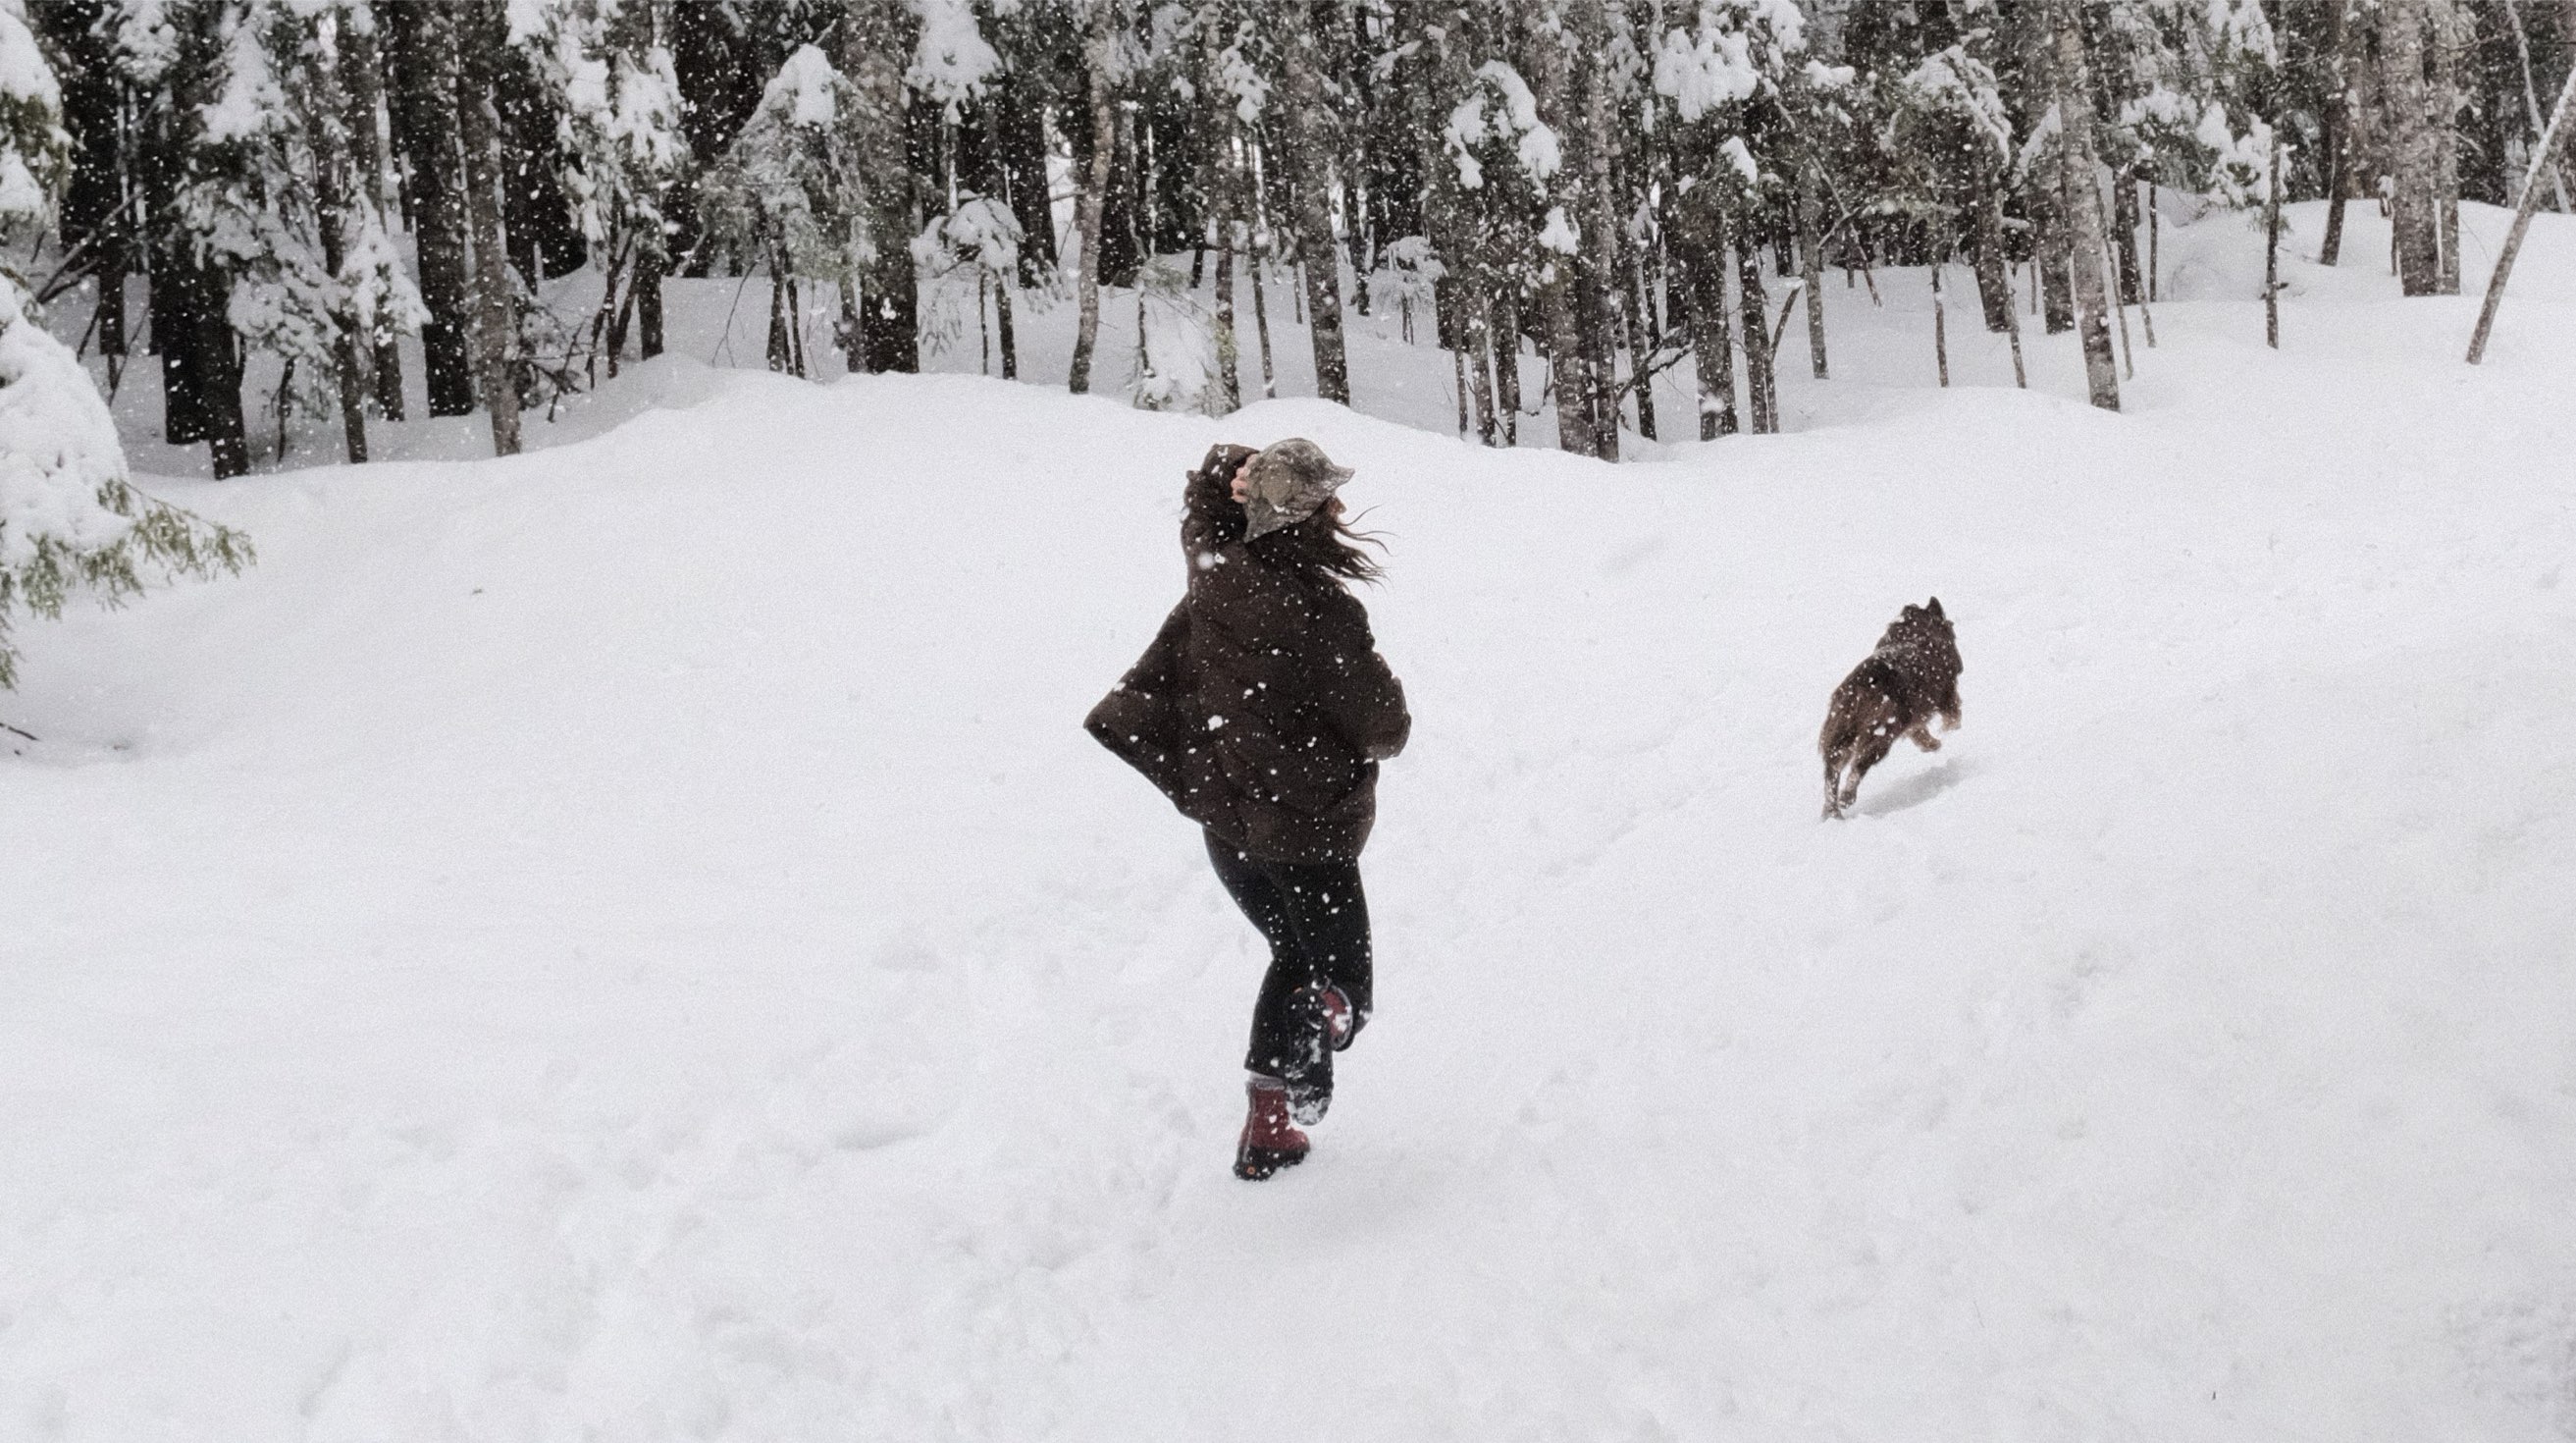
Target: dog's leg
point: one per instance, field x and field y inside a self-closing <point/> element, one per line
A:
<point x="1922" y="736"/>
<point x="1869" y="753"/>
<point x="1833" y="786"/>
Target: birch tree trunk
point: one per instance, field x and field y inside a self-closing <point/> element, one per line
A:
<point x="1761" y="384"/>
<point x="1551" y="70"/>
<point x="2415" y="207"/>
<point x="1811" y="269"/>
<point x="1304" y="122"/>
<point x="2052" y="250"/>
<point x="2083" y="208"/>
<point x="1597" y="269"/>
<point x="1099" y="37"/>
<point x="2553" y="138"/>
<point x="2447" y="34"/>
<point x="2531" y="97"/>
<point x="480" y="28"/>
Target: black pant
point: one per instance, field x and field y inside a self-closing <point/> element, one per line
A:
<point x="1316" y="921"/>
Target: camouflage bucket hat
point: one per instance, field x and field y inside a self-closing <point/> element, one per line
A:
<point x="1288" y="483"/>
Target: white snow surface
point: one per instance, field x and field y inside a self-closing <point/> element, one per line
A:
<point x="631" y="941"/>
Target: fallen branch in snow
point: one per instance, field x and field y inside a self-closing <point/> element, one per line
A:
<point x="17" y="731"/>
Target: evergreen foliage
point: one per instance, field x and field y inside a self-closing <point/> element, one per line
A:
<point x="69" y="519"/>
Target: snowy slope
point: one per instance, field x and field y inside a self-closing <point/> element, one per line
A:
<point x="631" y="941"/>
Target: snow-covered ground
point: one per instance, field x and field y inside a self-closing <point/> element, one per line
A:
<point x="631" y="942"/>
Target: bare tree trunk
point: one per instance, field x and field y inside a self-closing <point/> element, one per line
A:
<point x="1507" y="364"/>
<point x="1229" y="378"/>
<point x="1098" y="34"/>
<point x="1636" y="312"/>
<point x="2531" y="98"/>
<point x="336" y="181"/>
<point x="780" y="353"/>
<point x="1480" y="360"/>
<point x="1565" y="362"/>
<point x="423" y="59"/>
<point x="1596" y="270"/>
<point x="2012" y="315"/>
<point x="1994" y="281"/>
<point x="2446" y="35"/>
<point x="648" y="304"/>
<point x="2053" y="250"/>
<point x="2119" y="308"/>
<point x="2413" y="146"/>
<point x="1551" y="84"/>
<point x="2083" y="207"/>
<point x="2124" y="232"/>
<point x="1303" y="121"/>
<point x="480" y="28"/>
<point x="2338" y="126"/>
<point x="1221" y="189"/>
<point x="2553" y="137"/>
<point x="2272" y="253"/>
<point x="1702" y="236"/>
<point x="878" y="38"/>
<point x="1761" y="384"/>
<point x="1811" y="269"/>
<point x="362" y="73"/>
<point x="1261" y="329"/>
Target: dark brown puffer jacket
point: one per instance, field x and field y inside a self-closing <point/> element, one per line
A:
<point x="1262" y="707"/>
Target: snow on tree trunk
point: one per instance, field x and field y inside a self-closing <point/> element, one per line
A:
<point x="1596" y="267"/>
<point x="480" y="29"/>
<point x="2052" y="248"/>
<point x="2414" y="147"/>
<point x="422" y="53"/>
<point x="2083" y="208"/>
<point x="1811" y="273"/>
<point x="878" y="36"/>
<point x="337" y="176"/>
<point x="1305" y="121"/>
<point x="2446" y="35"/>
<point x="1701" y="237"/>
<point x="69" y="521"/>
<point x="362" y="75"/>
<point x="1761" y="384"/>
<point x="1099" y="40"/>
<point x="2553" y="139"/>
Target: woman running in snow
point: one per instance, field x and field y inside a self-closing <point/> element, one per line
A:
<point x="1262" y="710"/>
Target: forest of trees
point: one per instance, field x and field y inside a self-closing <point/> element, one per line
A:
<point x="1614" y="186"/>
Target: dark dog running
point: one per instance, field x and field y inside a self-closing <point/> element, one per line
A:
<point x="1913" y="675"/>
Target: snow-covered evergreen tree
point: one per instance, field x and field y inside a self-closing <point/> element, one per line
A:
<point x="608" y="63"/>
<point x="69" y="519"/>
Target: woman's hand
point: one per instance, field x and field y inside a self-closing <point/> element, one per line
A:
<point x="1242" y="484"/>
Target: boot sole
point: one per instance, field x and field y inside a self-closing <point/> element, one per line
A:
<point x="1252" y="1164"/>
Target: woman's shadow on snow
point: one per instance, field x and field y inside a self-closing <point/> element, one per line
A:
<point x="1917" y="789"/>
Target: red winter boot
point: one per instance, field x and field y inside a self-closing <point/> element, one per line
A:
<point x="1270" y="1141"/>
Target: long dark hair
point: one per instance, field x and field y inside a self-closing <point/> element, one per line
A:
<point x="1322" y="545"/>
